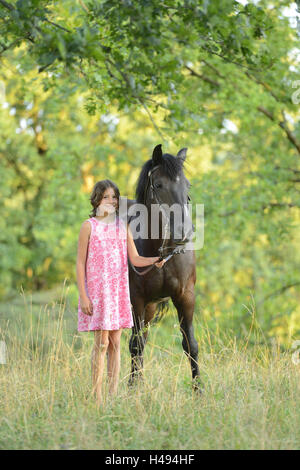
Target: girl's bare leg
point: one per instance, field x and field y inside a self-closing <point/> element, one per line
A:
<point x="98" y="360"/>
<point x="114" y="360"/>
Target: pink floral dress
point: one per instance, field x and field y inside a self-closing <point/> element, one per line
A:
<point x="106" y="278"/>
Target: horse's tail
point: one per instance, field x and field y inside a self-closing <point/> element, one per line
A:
<point x="163" y="307"/>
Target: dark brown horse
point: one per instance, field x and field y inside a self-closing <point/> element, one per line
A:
<point x="162" y="182"/>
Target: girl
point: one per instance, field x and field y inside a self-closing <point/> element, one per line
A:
<point x="102" y="277"/>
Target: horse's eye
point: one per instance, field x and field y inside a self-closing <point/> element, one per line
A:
<point x="158" y="185"/>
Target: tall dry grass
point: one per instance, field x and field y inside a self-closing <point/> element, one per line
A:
<point x="251" y="398"/>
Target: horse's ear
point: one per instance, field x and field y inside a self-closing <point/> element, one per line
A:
<point x="182" y="154"/>
<point x="157" y="155"/>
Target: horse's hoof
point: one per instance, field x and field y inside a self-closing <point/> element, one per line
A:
<point x="135" y="380"/>
<point x="131" y="383"/>
<point x="198" y="386"/>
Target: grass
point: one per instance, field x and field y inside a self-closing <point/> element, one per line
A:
<point x="251" y="398"/>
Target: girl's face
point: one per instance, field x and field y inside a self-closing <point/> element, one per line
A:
<point x="109" y="202"/>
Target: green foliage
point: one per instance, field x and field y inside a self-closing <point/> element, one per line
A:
<point x="251" y="397"/>
<point x="84" y="84"/>
<point x="128" y="51"/>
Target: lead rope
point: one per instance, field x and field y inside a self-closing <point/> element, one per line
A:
<point x="141" y="273"/>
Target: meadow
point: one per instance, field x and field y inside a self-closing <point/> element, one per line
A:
<point x="87" y="90"/>
<point x="251" y="398"/>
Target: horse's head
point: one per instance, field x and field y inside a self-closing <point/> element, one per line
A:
<point x="162" y="182"/>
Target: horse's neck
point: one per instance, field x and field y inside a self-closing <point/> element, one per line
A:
<point x="156" y="238"/>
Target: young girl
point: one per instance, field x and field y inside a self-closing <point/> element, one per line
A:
<point x="102" y="277"/>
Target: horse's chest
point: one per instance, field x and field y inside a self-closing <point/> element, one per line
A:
<point x="163" y="285"/>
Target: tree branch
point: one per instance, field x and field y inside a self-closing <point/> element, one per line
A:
<point x="287" y="169"/>
<point x="279" y="204"/>
<point x="265" y="85"/>
<point x="6" y="5"/>
<point x="5" y="48"/>
<point x="207" y="49"/>
<point x="283" y="124"/>
<point x="10" y="7"/>
<point x="57" y="25"/>
<point x="203" y="77"/>
<point x="279" y="291"/>
<point x="151" y="118"/>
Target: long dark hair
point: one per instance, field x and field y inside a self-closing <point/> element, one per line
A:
<point x="97" y="194"/>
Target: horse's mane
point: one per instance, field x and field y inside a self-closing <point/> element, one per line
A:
<point x="170" y="166"/>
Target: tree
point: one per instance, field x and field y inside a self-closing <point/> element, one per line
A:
<point x="216" y="77"/>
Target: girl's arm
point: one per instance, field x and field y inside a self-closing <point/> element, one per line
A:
<point x="83" y="242"/>
<point x="135" y="258"/>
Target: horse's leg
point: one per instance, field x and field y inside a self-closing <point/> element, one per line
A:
<point x="137" y="341"/>
<point x="148" y="315"/>
<point x="185" y="308"/>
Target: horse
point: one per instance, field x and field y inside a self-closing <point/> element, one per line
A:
<point x="162" y="182"/>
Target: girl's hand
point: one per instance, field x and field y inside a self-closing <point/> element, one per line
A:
<point x="86" y="306"/>
<point x="160" y="264"/>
